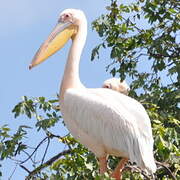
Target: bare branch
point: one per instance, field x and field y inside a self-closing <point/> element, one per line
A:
<point x="13" y="172"/>
<point x="165" y="166"/>
<point x="45" y="152"/>
<point x="163" y="55"/>
<point x="51" y="135"/>
<point x="34" y="150"/>
<point x="47" y="163"/>
<point x="28" y="155"/>
<point x="25" y="168"/>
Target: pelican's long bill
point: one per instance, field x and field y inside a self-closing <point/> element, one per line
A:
<point x="56" y="40"/>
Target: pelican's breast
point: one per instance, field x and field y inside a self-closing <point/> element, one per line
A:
<point x="86" y="121"/>
<point x="71" y="115"/>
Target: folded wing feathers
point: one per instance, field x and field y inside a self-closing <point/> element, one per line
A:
<point x="112" y="118"/>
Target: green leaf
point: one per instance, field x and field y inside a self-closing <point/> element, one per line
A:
<point x="171" y="10"/>
<point x="124" y="28"/>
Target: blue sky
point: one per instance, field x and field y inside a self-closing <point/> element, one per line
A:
<point x="24" y="26"/>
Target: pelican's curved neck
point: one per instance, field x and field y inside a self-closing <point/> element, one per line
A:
<point x="71" y="73"/>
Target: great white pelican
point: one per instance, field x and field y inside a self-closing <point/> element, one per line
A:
<point x="105" y="121"/>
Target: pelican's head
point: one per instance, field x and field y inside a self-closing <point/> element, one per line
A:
<point x="117" y="85"/>
<point x="68" y="22"/>
<point x="74" y="16"/>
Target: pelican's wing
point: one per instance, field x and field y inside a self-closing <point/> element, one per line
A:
<point x="117" y="120"/>
<point x="134" y="108"/>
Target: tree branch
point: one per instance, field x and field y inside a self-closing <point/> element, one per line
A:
<point x="34" y="150"/>
<point x="28" y="155"/>
<point x="25" y="168"/>
<point x="163" y="55"/>
<point x="136" y="169"/>
<point x="13" y="172"/>
<point x="45" y="152"/>
<point x="51" y="135"/>
<point x="167" y="169"/>
<point x="47" y="163"/>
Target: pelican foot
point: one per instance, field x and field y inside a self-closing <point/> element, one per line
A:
<point x="117" y="173"/>
<point x="103" y="164"/>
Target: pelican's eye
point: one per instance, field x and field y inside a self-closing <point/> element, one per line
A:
<point x="65" y="18"/>
<point x="108" y="86"/>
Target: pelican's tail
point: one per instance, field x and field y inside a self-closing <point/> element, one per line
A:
<point x="147" y="162"/>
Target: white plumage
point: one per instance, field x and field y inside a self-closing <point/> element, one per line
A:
<point x="108" y="122"/>
<point x="105" y="121"/>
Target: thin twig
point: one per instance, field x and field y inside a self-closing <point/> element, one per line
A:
<point x="16" y="160"/>
<point x="51" y="135"/>
<point x="47" y="163"/>
<point x="13" y="172"/>
<point x="167" y="169"/>
<point x="34" y="150"/>
<point x="28" y="156"/>
<point x="45" y="152"/>
<point x="25" y="168"/>
<point x="164" y="55"/>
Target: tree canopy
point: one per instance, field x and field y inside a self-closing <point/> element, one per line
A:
<point x="144" y="42"/>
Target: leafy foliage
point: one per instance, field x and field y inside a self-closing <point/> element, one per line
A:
<point x="143" y="38"/>
<point x="156" y="45"/>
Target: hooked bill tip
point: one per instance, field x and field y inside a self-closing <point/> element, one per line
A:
<point x="30" y="66"/>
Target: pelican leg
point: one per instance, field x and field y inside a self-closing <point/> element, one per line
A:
<point x="102" y="164"/>
<point x="118" y="170"/>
